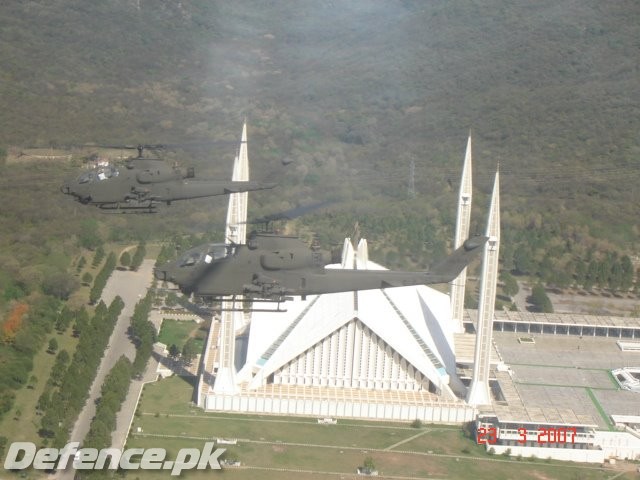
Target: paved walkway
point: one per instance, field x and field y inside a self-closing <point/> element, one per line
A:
<point x="131" y="287"/>
<point x="520" y="298"/>
<point x="128" y="410"/>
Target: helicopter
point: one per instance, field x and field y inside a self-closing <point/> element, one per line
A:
<point x="142" y="183"/>
<point x="274" y="267"/>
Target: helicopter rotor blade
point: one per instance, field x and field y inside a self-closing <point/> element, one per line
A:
<point x="154" y="146"/>
<point x="291" y="213"/>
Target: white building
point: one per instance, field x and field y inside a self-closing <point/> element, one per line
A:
<point x="560" y="441"/>
<point x="386" y="354"/>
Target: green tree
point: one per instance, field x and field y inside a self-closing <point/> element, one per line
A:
<point x="523" y="261"/>
<point x="138" y="257"/>
<point x="101" y="278"/>
<point x="63" y="357"/>
<point x="89" y="236"/>
<point x="627" y="273"/>
<point x="81" y="264"/>
<point x="125" y="259"/>
<point x="510" y="287"/>
<point x="64" y="319"/>
<point x="7" y="398"/>
<point x="81" y="322"/>
<point x="53" y="346"/>
<point x="591" y="278"/>
<point x="14" y="290"/>
<point x="113" y="392"/>
<point x="540" y="299"/>
<point x="604" y="271"/>
<point x="545" y="269"/>
<point x="60" y="285"/>
<point x="99" y="256"/>
<point x="59" y="368"/>
<point x="615" y="277"/>
<point x="144" y="333"/>
<point x="50" y="422"/>
<point x="189" y="351"/>
<point x="44" y="400"/>
<point x="87" y="278"/>
<point x="580" y="270"/>
<point x="174" y="351"/>
<point x="369" y="464"/>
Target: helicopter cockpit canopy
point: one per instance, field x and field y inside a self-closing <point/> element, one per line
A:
<point x="205" y="253"/>
<point x="99" y="174"/>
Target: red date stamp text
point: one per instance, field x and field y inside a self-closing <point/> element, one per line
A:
<point x="542" y="435"/>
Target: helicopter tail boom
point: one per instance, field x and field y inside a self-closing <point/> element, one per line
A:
<point x="453" y="265"/>
<point x="207" y="188"/>
<point x="341" y="280"/>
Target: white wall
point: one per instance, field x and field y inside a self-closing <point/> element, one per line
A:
<point x="436" y="413"/>
<point x="618" y="445"/>
<point x="566" y="454"/>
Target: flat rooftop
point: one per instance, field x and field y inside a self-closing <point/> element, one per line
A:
<point x="558" y="319"/>
<point x="271" y="390"/>
<point x="465" y="344"/>
<point x="563" y="379"/>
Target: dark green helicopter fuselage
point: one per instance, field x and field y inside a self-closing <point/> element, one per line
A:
<point x="145" y="182"/>
<point x="273" y="267"/>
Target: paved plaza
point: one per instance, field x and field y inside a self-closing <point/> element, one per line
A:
<point x="565" y="378"/>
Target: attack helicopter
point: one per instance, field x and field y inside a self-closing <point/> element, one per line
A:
<point x="274" y="267"/>
<point x="142" y="183"/>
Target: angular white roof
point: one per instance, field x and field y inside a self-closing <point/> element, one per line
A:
<point x="415" y="321"/>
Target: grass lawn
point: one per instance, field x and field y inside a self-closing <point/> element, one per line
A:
<point x="273" y="460"/>
<point x="170" y="395"/>
<point x="179" y="331"/>
<point x="270" y="431"/>
<point x="276" y="447"/>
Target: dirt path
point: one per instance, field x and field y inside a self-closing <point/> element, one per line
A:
<point x="595" y="302"/>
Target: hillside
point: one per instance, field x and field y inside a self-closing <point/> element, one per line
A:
<point x="353" y="92"/>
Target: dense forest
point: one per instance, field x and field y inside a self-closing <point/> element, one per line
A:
<point x="354" y="97"/>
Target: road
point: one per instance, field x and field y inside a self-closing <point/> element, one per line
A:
<point x="131" y="287"/>
<point x="592" y="302"/>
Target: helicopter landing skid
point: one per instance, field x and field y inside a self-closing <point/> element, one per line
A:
<point x="122" y="209"/>
<point x="244" y="301"/>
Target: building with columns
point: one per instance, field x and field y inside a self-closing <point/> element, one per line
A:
<point x="387" y="353"/>
<point x="384" y="354"/>
<point x="403" y="354"/>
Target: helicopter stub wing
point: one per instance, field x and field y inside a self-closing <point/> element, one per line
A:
<point x="247" y="186"/>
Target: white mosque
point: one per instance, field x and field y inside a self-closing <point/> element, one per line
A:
<point x="379" y="354"/>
